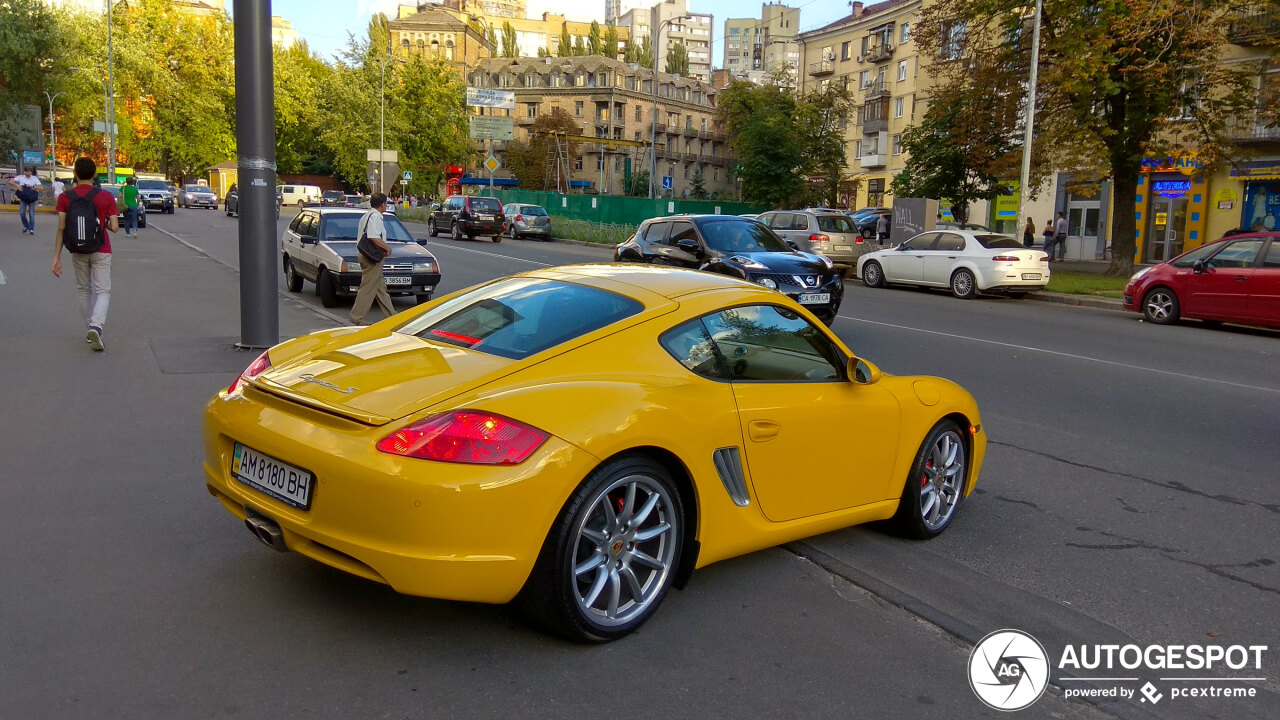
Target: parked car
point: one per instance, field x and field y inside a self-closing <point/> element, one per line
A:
<point x="865" y="224"/>
<point x="742" y="248"/>
<point x="232" y="202"/>
<point x="965" y="261"/>
<point x="300" y="194"/>
<point x="156" y="196"/>
<point x="320" y="246"/>
<point x="142" y="207"/>
<point x="332" y="198"/>
<point x="578" y="439"/>
<point x="855" y="214"/>
<point x="523" y="220"/>
<point x="197" y="196"/>
<point x="354" y="201"/>
<point x="972" y="227"/>
<point x="1236" y="279"/>
<point x="467" y="216"/>
<point x="822" y="232"/>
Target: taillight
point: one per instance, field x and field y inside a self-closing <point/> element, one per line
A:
<point x="1044" y="259"/>
<point x="1005" y="258"/>
<point x="519" y="218"/>
<point x="256" y="368"/>
<point x="466" y="436"/>
<point x="816" y="238"/>
<point x="857" y="240"/>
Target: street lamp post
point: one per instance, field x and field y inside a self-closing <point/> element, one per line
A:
<point x="53" y="137"/>
<point x="653" y="136"/>
<point x="1029" y="132"/>
<point x="111" y="104"/>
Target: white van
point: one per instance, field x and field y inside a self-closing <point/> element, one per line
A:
<point x="299" y="195"/>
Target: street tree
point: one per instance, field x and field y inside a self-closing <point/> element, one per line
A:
<point x="820" y="118"/>
<point x="510" y="48"/>
<point x="29" y="44"/>
<point x="1119" y="83"/>
<point x="698" y="185"/>
<point x="677" y="59"/>
<point x="428" y="123"/>
<point x="529" y="160"/>
<point x="564" y="46"/>
<point x="639" y="184"/>
<point x="579" y="47"/>
<point x="610" y="49"/>
<point x="595" y="41"/>
<point x="758" y="120"/>
<point x="641" y="54"/>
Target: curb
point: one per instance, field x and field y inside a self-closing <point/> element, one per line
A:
<point x="1088" y="301"/>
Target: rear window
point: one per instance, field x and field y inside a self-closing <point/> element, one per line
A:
<point x="740" y="236"/>
<point x="334" y="194"/>
<point x="834" y="223"/>
<point x="484" y="205"/>
<point x="533" y="210"/>
<point x="997" y="241"/>
<point x="520" y="317"/>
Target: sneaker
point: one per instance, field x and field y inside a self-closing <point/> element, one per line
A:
<point x="95" y="339"/>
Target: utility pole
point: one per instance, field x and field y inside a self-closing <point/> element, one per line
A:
<point x="53" y="137"/>
<point x="111" y="104"/>
<point x="1028" y="134"/>
<point x="382" y="133"/>
<point x="256" y="166"/>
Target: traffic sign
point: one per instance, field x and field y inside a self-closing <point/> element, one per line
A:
<point x="486" y="97"/>
<point x="668" y="183"/>
<point x="484" y="127"/>
<point x="492" y="163"/>
<point x="407" y="176"/>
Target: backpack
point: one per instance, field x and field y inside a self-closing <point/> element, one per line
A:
<point x="83" y="233"/>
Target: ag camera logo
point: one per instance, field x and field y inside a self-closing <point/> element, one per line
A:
<point x="1008" y="670"/>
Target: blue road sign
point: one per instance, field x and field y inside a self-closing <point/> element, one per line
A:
<point x="668" y="183"/>
<point x="407" y="176"/>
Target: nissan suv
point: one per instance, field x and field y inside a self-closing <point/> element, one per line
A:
<point x="467" y="216"/>
<point x="156" y="196"/>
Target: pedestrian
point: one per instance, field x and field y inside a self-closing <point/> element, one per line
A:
<point x="87" y="216"/>
<point x="882" y="229"/>
<point x="1029" y="234"/>
<point x="28" y="195"/>
<point x="129" y="193"/>
<point x="58" y="188"/>
<point x="1060" y="237"/>
<point x="372" y="248"/>
<point x="1048" y="238"/>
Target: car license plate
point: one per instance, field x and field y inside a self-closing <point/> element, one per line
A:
<point x="843" y="248"/>
<point x="815" y="299"/>
<point x="282" y="481"/>
<point x="400" y="280"/>
<point x="1030" y="276"/>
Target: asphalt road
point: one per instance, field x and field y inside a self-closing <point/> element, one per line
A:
<point x="1129" y="495"/>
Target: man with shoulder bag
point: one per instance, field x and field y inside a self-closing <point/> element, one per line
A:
<point x="372" y="249"/>
<point x="86" y="216"/>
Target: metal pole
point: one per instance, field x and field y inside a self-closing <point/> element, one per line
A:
<point x="382" y="134"/>
<point x="53" y="141"/>
<point x="256" y="165"/>
<point x="111" y="104"/>
<point x="486" y="160"/>
<point x="1031" y="119"/>
<point x="653" y="136"/>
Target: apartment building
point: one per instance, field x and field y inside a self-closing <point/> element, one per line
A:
<point x="613" y="99"/>
<point x="437" y="33"/>
<point x="510" y="9"/>
<point x="694" y="33"/>
<point x="755" y="47"/>
<point x="615" y="9"/>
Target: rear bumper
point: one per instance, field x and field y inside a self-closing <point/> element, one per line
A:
<point x="472" y="227"/>
<point x="999" y="278"/>
<point x="526" y="230"/>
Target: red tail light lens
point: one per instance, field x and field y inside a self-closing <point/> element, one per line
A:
<point x="465" y="436"/>
<point x="857" y="240"/>
<point x="519" y="218"/>
<point x="256" y="368"/>
<point x="1005" y="258"/>
<point x="815" y="238"/>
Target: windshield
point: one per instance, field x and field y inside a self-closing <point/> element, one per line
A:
<point x="533" y="210"/>
<point x="197" y="189"/>
<point x="740" y="236"/>
<point x="834" y="223"/>
<point x="152" y="185"/>
<point x="343" y="227"/>
<point x="334" y="194"/>
<point x="997" y="241"/>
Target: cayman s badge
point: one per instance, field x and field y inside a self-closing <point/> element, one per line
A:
<point x="313" y="379"/>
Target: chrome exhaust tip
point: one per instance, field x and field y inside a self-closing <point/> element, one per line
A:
<point x="266" y="530"/>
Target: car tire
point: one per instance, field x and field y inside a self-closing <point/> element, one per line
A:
<point x="872" y="274"/>
<point x="422" y="298"/>
<point x="327" y="289"/>
<point x="1160" y="306"/>
<point x="935" y="487"/>
<point x="302" y="203"/>
<point x="963" y="284"/>
<point x="291" y="276"/>
<point x="497" y="238"/>
<point x="868" y="234"/>
<point x="455" y="232"/>
<point x="591" y="556"/>
<point x="431" y="227"/>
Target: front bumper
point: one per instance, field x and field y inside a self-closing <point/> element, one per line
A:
<point x="443" y="530"/>
<point x="202" y="202"/>
<point x="162" y="204"/>
<point x="420" y="284"/>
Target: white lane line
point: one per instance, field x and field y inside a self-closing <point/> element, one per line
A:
<point x="482" y="252"/>
<point x="1072" y="356"/>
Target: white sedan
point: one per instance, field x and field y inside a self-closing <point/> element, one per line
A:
<point x="967" y="262"/>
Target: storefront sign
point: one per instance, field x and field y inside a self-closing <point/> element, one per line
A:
<point x="1226" y="195"/>
<point x="1006" y="206"/>
<point x="1225" y="204"/>
<point x="1171" y="188"/>
<point x="1162" y="218"/>
<point x="1187" y="164"/>
<point x="1259" y="170"/>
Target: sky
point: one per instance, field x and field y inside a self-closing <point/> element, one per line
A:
<point x="325" y="23"/>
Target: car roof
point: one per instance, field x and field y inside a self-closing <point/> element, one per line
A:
<point x="326" y="211"/>
<point x="699" y="216"/>
<point x="669" y="282"/>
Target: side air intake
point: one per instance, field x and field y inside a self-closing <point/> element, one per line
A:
<point x="729" y="465"/>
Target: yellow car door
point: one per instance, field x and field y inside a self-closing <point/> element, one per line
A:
<point x="814" y="441"/>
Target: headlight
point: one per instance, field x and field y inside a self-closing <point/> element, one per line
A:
<point x="1140" y="273"/>
<point x="747" y="263"/>
<point x="827" y="261"/>
<point x="349" y="266"/>
<point x="769" y="283"/>
<point x="426" y="266"/>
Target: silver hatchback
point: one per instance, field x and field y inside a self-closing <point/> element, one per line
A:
<point x="828" y="233"/>
<point x="522" y="220"/>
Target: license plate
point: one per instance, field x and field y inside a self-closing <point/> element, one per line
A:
<point x="843" y="248"/>
<point x="815" y="299"/>
<point x="1030" y="276"/>
<point x="401" y="280"/>
<point x="282" y="481"/>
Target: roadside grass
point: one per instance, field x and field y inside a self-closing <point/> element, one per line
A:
<point x="418" y="214"/>
<point x="1081" y="283"/>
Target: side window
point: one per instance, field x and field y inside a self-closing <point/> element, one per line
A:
<point x="287" y="188"/>
<point x="766" y="218"/>
<point x="296" y="225"/>
<point x="691" y="345"/>
<point x="1199" y="253"/>
<point x="682" y="231"/>
<point x="1272" y="258"/>
<point x="657" y="233"/>
<point x="310" y="228"/>
<point x="780" y="221"/>
<point x="1239" y="254"/>
<point x="949" y="242"/>
<point x="923" y="241"/>
<point x="766" y="343"/>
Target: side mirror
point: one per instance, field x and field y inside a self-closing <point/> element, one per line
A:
<point x="863" y="372"/>
<point x="793" y="245"/>
<point x="690" y="246"/>
<point x="421" y="241"/>
<point x="1198" y="267"/>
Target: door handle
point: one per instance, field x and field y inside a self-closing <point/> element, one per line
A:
<point x="763" y="430"/>
<point x="951" y="257"/>
<point x="1241" y="278"/>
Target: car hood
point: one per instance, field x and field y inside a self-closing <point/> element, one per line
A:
<point x="347" y="249"/>
<point x="376" y="378"/>
<point x="782" y="262"/>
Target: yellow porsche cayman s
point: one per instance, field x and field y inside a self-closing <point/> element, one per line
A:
<point x="579" y="439"/>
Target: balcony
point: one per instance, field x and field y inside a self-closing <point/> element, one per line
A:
<point x="879" y="53"/>
<point x="662" y="127"/>
<point x="1250" y="130"/>
<point x="873" y="160"/>
<point x="877" y="90"/>
<point x="875" y="125"/>
<point x="1254" y="27"/>
<point x="822" y="67"/>
<point x="524" y="121"/>
<point x="690" y="132"/>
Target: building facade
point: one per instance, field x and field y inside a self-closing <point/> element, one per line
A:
<point x="614" y="100"/>
<point x="693" y="30"/>
<point x="435" y="33"/>
<point x="615" y="9"/>
<point x="755" y="47"/>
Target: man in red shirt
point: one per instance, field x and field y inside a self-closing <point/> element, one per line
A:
<point x="93" y="269"/>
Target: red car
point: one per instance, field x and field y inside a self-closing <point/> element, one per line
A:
<point x="1236" y="279"/>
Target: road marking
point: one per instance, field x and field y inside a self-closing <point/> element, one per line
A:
<point x="482" y="252"/>
<point x="1072" y="356"/>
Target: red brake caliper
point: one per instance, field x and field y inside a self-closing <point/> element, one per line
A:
<point x="924" y="478"/>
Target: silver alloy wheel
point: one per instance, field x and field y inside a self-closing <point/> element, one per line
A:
<point x="871" y="274"/>
<point x="940" y="483"/>
<point x="623" y="550"/>
<point x="962" y="284"/>
<point x="1159" y="306"/>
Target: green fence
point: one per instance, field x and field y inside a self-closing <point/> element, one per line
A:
<point x="621" y="210"/>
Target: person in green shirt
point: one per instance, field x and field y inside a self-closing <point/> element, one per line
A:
<point x="129" y="193"/>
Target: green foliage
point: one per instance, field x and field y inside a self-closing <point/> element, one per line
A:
<point x="641" y="54"/>
<point x="510" y="48"/>
<point x="677" y="59"/>
<point x="31" y="56"/>
<point x="564" y="46"/>
<point x="698" y="185"/>
<point x="820" y="119"/>
<point x="595" y="42"/>
<point x="529" y="161"/>
<point x="610" y="48"/>
<point x="542" y="52"/>
<point x="639" y="184"/>
<point x="579" y="47"/>
<point x="758" y="121"/>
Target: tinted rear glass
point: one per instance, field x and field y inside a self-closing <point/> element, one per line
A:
<point x="343" y="227"/>
<point x="740" y="236"/>
<point x="533" y="210"/>
<point x="834" y="223"/>
<point x="997" y="241"/>
<point x="520" y="317"/>
<point x="152" y="185"/>
<point x="484" y="205"/>
<point x="334" y="194"/>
